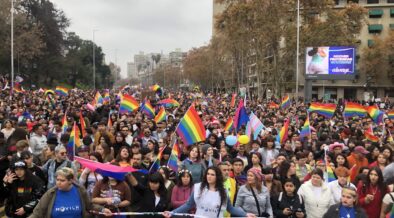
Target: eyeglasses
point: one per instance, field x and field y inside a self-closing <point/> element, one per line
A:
<point x="63" y="153"/>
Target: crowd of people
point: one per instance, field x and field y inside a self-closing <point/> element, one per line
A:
<point x="261" y="178"/>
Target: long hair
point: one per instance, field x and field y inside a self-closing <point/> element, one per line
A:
<point x="381" y="185"/>
<point x="119" y="157"/>
<point x="181" y="174"/>
<point x="219" y="184"/>
<point x="346" y="164"/>
<point x="283" y="169"/>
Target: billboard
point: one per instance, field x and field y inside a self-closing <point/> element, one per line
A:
<point x="330" y="63"/>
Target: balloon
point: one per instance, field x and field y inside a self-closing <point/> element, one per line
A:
<point x="243" y="139"/>
<point x="231" y="140"/>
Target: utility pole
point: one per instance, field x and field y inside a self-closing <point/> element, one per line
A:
<point x="12" y="47"/>
<point x="298" y="48"/>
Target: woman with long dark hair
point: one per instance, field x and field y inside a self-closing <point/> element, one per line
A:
<point x="210" y="198"/>
<point x="193" y="164"/>
<point x="340" y="161"/>
<point x="123" y="157"/>
<point x="371" y="192"/>
<point x="287" y="170"/>
<point x="182" y="190"/>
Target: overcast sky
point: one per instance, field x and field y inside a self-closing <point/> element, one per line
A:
<point x="130" y="26"/>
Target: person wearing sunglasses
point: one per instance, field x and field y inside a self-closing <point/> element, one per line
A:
<point x="55" y="164"/>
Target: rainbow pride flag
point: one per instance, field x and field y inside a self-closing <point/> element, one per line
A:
<point x="283" y="134"/>
<point x="190" y="128"/>
<point x="285" y="102"/>
<point x="107" y="98"/>
<point x="155" y="87"/>
<point x="49" y="91"/>
<point x="273" y="105"/>
<point x="375" y="113"/>
<point x="174" y="157"/>
<point x="370" y="136"/>
<point x="128" y="104"/>
<point x="168" y="102"/>
<point x="233" y="98"/>
<point x="98" y="99"/>
<point x="354" y="109"/>
<point x="62" y="91"/>
<point x="161" y="116"/>
<point x="83" y="124"/>
<point x="64" y="123"/>
<point x="229" y="124"/>
<point x="18" y="89"/>
<point x="147" y="109"/>
<point x="73" y="142"/>
<point x="390" y="114"/>
<point x="326" y="110"/>
<point x="330" y="173"/>
<point x="156" y="164"/>
<point x="306" y="130"/>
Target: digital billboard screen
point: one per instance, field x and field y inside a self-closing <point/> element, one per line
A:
<point x="330" y="63"/>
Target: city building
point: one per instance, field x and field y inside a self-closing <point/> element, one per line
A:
<point x="380" y="20"/>
<point x="131" y="70"/>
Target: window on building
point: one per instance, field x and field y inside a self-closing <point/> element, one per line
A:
<point x="336" y="2"/>
<point x="375" y="28"/>
<point x="392" y="26"/>
<point x="390" y="1"/>
<point x="372" y="1"/>
<point x="392" y="11"/>
<point x="375" y="13"/>
<point x="354" y="1"/>
<point x="370" y="42"/>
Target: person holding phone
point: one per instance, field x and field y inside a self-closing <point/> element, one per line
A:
<point x="23" y="190"/>
<point x="288" y="203"/>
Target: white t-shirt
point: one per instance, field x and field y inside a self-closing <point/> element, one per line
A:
<point x="208" y="204"/>
<point x="387" y="199"/>
<point x="157" y="199"/>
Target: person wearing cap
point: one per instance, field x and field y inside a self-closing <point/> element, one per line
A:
<point x="23" y="190"/>
<point x="336" y="186"/>
<point x="27" y="156"/>
<point x="357" y="160"/>
<point x="254" y="192"/>
<point x="316" y="195"/>
<point x="207" y="156"/>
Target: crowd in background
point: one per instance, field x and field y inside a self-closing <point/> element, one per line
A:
<point x="214" y="179"/>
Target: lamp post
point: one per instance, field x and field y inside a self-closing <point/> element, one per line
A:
<point x="12" y="47"/>
<point x="94" y="62"/>
<point x="298" y="48"/>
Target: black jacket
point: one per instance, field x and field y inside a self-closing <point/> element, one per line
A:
<point x="333" y="211"/>
<point x="147" y="201"/>
<point x="23" y="193"/>
<point x="282" y="201"/>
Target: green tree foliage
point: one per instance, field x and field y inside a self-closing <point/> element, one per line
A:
<point x="45" y="53"/>
<point x="262" y="35"/>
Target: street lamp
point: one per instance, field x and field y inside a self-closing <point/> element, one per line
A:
<point x="94" y="61"/>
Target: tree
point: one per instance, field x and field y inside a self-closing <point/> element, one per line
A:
<point x="378" y="59"/>
<point x="262" y="34"/>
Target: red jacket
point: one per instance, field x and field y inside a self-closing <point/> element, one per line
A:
<point x="373" y="208"/>
<point x="180" y="195"/>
